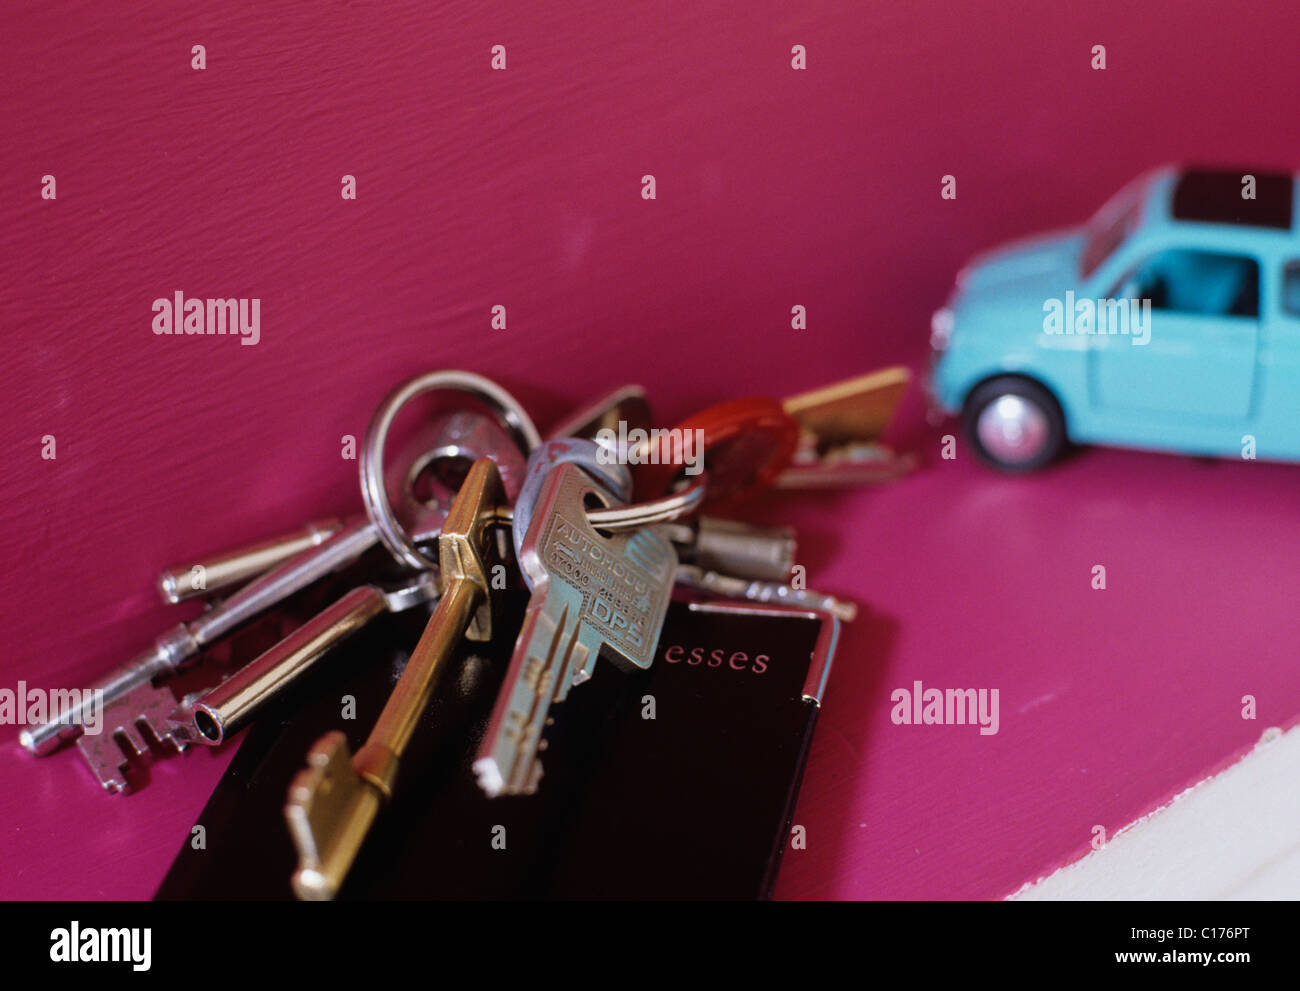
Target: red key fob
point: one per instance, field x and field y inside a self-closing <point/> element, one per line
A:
<point x="746" y="444"/>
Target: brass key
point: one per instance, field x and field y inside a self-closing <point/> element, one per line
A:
<point x="841" y="428"/>
<point x="334" y="802"/>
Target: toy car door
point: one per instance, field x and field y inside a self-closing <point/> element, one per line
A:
<point x="1192" y="340"/>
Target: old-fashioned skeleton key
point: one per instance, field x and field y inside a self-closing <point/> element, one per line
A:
<point x="130" y="699"/>
<point x="182" y="644"/>
<point x="211" y="718"/>
<point x="590" y="591"/>
<point x="333" y="803"/>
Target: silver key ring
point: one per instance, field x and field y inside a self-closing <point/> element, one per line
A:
<point x="665" y="509"/>
<point x="373" y="491"/>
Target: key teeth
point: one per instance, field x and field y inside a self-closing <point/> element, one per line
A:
<point x="320" y="799"/>
<point x="329" y="762"/>
<point x="133" y="728"/>
<point x="110" y="752"/>
<point x="106" y="758"/>
<point x="136" y="745"/>
<point x="589" y="590"/>
<point x="164" y="737"/>
<point x="534" y="778"/>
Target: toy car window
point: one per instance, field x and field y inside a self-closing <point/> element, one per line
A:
<point x="1216" y="197"/>
<point x="1109" y="229"/>
<point x="1198" y="282"/>
<point x="1291" y="288"/>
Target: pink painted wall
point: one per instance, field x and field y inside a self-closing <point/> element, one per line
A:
<point x="522" y="187"/>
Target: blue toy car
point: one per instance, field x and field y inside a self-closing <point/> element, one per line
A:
<point x="1170" y="321"/>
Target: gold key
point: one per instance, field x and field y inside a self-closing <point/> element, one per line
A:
<point x="841" y="426"/>
<point x="854" y="411"/>
<point x="334" y="802"/>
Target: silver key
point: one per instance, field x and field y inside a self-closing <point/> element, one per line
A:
<point x="212" y="717"/>
<point x="723" y="557"/>
<point x="741" y="561"/>
<point x="734" y="548"/>
<point x="233" y="568"/>
<point x="128" y="695"/>
<point x="589" y="592"/>
<point x="728" y="586"/>
<point x="590" y="456"/>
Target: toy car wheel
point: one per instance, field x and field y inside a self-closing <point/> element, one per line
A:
<point x="1014" y="424"/>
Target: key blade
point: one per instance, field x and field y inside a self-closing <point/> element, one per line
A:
<point x="546" y="655"/>
<point x="692" y="576"/>
<point x="591" y="592"/>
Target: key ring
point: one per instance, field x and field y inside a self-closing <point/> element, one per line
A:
<point x="374" y="493"/>
<point x="515" y="419"/>
<point x="665" y="509"/>
<point x="684" y="502"/>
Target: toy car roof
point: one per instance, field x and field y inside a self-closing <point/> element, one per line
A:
<point x="1214" y="196"/>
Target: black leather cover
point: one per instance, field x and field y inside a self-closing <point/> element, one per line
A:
<point x="694" y="803"/>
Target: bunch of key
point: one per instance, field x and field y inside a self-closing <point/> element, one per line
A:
<point x="472" y="499"/>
